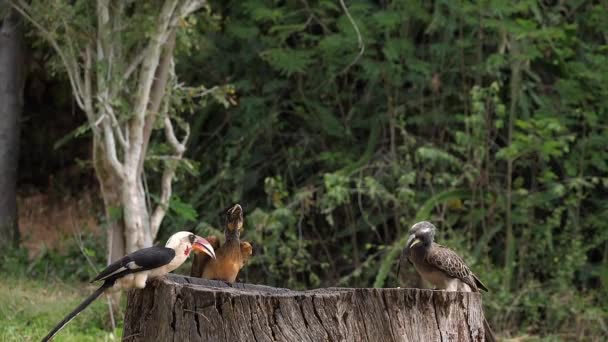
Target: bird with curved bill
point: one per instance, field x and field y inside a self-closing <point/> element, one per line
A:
<point x="232" y="256"/>
<point x="441" y="266"/>
<point x="133" y="270"/>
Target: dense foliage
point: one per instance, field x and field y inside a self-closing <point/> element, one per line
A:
<point x="349" y="121"/>
<point x="488" y="118"/>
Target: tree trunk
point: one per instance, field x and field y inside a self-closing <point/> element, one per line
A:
<point x="136" y="215"/>
<point x="177" y="308"/>
<point x="12" y="77"/>
<point x="110" y="184"/>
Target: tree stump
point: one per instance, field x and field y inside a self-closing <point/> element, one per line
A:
<point x="177" y="308"/>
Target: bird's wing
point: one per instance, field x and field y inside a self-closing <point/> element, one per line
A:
<point x="450" y="263"/>
<point x="141" y="260"/>
<point x="201" y="259"/>
<point x="246" y="251"/>
<point x="479" y="283"/>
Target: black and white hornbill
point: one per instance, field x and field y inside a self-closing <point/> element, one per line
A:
<point x="441" y="266"/>
<point x="133" y="270"/>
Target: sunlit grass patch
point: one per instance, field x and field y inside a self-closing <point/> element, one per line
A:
<point x="29" y="309"/>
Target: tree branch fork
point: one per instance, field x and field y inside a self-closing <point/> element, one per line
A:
<point x="104" y="72"/>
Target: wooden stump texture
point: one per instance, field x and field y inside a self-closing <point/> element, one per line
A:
<point x="177" y="308"/>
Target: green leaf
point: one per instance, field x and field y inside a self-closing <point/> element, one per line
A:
<point x="183" y="210"/>
<point x="79" y="131"/>
<point x="288" y="61"/>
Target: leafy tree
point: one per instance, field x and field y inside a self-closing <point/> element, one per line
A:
<point x="357" y="118"/>
<point x="486" y="117"/>
<point x="118" y="57"/>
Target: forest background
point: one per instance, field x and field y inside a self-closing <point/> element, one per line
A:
<point x="337" y="125"/>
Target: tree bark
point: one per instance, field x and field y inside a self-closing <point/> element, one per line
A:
<point x="110" y="184"/>
<point x="12" y="79"/>
<point x="177" y="308"/>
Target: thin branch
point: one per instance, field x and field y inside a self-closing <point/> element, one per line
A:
<point x="134" y="64"/>
<point x="114" y="121"/>
<point x="179" y="148"/>
<point x="99" y="120"/>
<point x="313" y="16"/>
<point x="88" y="92"/>
<point x="200" y="94"/>
<point x="110" y="146"/>
<point x="161" y="209"/>
<point x="71" y="50"/>
<point x="187" y="8"/>
<point x="158" y="93"/>
<point x="359" y="37"/>
<point x="145" y="82"/>
<point x="147" y="192"/>
<point x="168" y="174"/>
<point x="121" y="138"/>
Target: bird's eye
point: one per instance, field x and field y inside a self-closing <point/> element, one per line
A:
<point x="191" y="238"/>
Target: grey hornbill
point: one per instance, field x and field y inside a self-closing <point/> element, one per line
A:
<point x="441" y="266"/>
<point x="133" y="270"/>
<point x="231" y="256"/>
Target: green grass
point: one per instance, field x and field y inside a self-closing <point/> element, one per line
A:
<point x="29" y="309"/>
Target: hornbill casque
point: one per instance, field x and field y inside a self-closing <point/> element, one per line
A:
<point x="231" y="256"/>
<point x="133" y="270"/>
<point x="441" y="266"/>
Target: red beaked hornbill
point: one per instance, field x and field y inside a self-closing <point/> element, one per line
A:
<point x="231" y="256"/>
<point x="441" y="266"/>
<point x="134" y="269"/>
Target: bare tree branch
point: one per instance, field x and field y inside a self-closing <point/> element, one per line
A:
<point x="146" y="80"/>
<point x="187" y="8"/>
<point x="88" y="91"/>
<point x="178" y="146"/>
<point x="134" y="64"/>
<point x="110" y="147"/>
<point x="99" y="65"/>
<point x="108" y="110"/>
<point x="161" y="209"/>
<point x="158" y="94"/>
<point x="168" y="173"/>
<point x="71" y="50"/>
<point x="359" y="37"/>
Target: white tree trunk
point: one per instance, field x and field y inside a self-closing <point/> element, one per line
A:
<point x="99" y="70"/>
<point x="136" y="216"/>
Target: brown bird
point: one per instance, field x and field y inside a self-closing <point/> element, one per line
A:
<point x="441" y="266"/>
<point x="231" y="256"/>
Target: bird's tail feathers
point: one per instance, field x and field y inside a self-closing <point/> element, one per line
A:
<point x="78" y="309"/>
<point x="489" y="334"/>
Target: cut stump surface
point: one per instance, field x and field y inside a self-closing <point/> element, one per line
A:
<point x="178" y="308"/>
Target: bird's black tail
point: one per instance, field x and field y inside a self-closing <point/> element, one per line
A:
<point x="489" y="334"/>
<point x="78" y="309"/>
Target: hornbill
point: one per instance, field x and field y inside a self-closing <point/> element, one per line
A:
<point x="133" y="270"/>
<point x="441" y="266"/>
<point x="231" y="256"/>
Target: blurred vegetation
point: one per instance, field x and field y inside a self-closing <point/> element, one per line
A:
<point x="30" y="308"/>
<point x="488" y="118"/>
